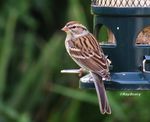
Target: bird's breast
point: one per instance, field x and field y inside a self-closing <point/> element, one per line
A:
<point x="68" y="44"/>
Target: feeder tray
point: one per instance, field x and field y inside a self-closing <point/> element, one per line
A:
<point x="120" y="81"/>
<point x="123" y="80"/>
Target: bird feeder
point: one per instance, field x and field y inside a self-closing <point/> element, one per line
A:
<point x="127" y="23"/>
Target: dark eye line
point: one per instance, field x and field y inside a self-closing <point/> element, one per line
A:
<point x="73" y="26"/>
<point x="77" y="27"/>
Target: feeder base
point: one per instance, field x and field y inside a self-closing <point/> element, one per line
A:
<point x="120" y="81"/>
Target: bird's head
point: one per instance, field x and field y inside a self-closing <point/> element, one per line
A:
<point x="75" y="29"/>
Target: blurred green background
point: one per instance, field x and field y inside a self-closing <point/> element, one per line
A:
<point x="32" y="53"/>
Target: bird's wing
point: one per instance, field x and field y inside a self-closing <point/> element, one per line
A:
<point x="88" y="54"/>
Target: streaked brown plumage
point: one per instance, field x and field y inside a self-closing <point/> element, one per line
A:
<point x="86" y="52"/>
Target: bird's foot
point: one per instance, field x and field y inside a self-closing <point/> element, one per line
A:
<point x="81" y="72"/>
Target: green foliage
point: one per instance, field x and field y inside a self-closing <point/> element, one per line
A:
<point x="32" y="53"/>
<point x="102" y="35"/>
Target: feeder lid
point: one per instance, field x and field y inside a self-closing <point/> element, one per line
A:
<point x="121" y="3"/>
<point x="121" y="7"/>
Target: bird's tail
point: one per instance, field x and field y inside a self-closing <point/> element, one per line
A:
<point x="102" y="97"/>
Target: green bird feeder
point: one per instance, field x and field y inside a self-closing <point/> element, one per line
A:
<point x="128" y="21"/>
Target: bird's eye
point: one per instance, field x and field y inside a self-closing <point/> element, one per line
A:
<point x="74" y="27"/>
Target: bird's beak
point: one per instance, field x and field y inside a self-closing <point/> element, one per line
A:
<point x="64" y="29"/>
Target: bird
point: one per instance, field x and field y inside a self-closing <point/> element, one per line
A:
<point x="85" y="50"/>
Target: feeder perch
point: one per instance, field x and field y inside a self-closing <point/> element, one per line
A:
<point x="128" y="25"/>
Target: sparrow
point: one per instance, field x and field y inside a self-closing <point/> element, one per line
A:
<point x="84" y="49"/>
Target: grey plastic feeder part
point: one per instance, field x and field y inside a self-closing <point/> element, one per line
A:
<point x="130" y="62"/>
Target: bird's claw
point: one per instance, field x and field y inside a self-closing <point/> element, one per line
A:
<point x="81" y="72"/>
